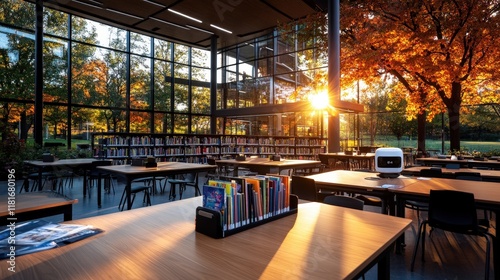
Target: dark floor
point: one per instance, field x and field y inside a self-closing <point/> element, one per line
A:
<point x="448" y="256"/>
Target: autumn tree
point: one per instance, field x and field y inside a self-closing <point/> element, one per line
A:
<point x="443" y="53"/>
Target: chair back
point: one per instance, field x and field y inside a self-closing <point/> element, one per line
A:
<point x="344" y="201"/>
<point x="190" y="177"/>
<point x="471" y="176"/>
<point x="304" y="188"/>
<point x="431" y="172"/>
<point x="324" y="159"/>
<point x="453" y="211"/>
<point x="211" y="161"/>
<point x="453" y="166"/>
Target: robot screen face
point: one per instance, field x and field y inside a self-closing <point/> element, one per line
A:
<point x="389" y="162"/>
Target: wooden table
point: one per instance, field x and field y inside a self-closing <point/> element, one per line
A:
<point x="367" y="161"/>
<point x="367" y="183"/>
<point x="266" y="166"/>
<point x="130" y="173"/>
<point x="464" y="163"/>
<point x="486" y="194"/>
<point x="62" y="164"/>
<point x="35" y="205"/>
<point x="487" y="175"/>
<point x="160" y="242"/>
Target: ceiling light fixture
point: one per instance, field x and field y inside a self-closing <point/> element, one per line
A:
<point x="199" y="29"/>
<point x="124" y="14"/>
<point x="97" y="5"/>
<point x="184" y="15"/>
<point x="170" y="23"/>
<point x="220" y="28"/>
<point x="154" y="3"/>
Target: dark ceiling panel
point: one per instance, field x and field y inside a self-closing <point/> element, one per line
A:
<point x="246" y="19"/>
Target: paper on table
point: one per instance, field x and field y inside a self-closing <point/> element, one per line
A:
<point x="390" y="186"/>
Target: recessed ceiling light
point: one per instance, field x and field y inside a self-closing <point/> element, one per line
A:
<point x="199" y="29"/>
<point x="220" y="28"/>
<point x="154" y="3"/>
<point x="170" y="23"/>
<point x="97" y="5"/>
<point x="184" y="15"/>
<point x="123" y="13"/>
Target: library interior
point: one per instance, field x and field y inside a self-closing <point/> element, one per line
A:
<point x="162" y="139"/>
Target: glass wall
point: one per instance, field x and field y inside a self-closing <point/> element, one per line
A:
<point x="265" y="71"/>
<point x="92" y="83"/>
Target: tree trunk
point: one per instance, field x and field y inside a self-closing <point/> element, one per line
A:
<point x="454" y="116"/>
<point x="421" y="134"/>
<point x="453" y="106"/>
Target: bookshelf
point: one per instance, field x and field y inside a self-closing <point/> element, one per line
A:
<point x="122" y="147"/>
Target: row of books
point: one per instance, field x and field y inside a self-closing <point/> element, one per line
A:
<point x="245" y="200"/>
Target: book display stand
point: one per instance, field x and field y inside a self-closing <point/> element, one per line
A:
<point x="209" y="222"/>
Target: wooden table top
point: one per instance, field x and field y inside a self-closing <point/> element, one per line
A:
<point x="415" y="170"/>
<point x="344" y="156"/>
<point x="359" y="179"/>
<point x="162" y="168"/>
<point x="484" y="192"/>
<point x="160" y="242"/>
<point x="268" y="162"/>
<point x="32" y="201"/>
<point x="435" y="160"/>
<point x="59" y="162"/>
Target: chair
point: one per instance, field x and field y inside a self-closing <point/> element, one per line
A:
<point x="474" y="176"/>
<point x="304" y="188"/>
<point x="420" y="205"/>
<point x="133" y="191"/>
<point x="325" y="163"/>
<point x="344" y="201"/>
<point x="471" y="176"/>
<point x="94" y="174"/>
<point x="452" y="166"/>
<point x="212" y="174"/>
<point x="189" y="179"/>
<point x="453" y="211"/>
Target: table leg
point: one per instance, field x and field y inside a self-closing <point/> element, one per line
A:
<point x="384" y="266"/>
<point x="99" y="187"/>
<point x="85" y="182"/>
<point x="128" y="188"/>
<point x="40" y="171"/>
<point x="496" y="249"/>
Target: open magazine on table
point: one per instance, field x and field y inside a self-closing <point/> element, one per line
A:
<point x="38" y="235"/>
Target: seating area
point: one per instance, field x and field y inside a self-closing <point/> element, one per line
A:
<point x="456" y="265"/>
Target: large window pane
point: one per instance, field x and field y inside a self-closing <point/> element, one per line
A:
<point x="107" y="36"/>
<point x="180" y="123"/>
<point x="181" y="98"/>
<point x="162" y="123"/>
<point x="17" y="12"/>
<point x="17" y="64"/>
<point x="140" y="94"/>
<point x="200" y="125"/>
<point x="200" y="74"/>
<point x="200" y="100"/>
<point x="55" y="70"/>
<point x="163" y="49"/>
<point x="139" y="122"/>
<point x="163" y="87"/>
<point x="55" y="23"/>
<point x="181" y="54"/>
<point x="200" y="57"/>
<point x="140" y="44"/>
<point x="55" y="122"/>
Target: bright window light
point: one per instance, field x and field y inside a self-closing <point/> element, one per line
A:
<point x="319" y="100"/>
